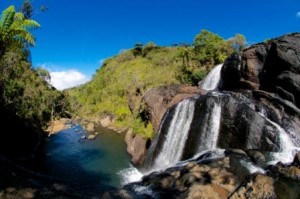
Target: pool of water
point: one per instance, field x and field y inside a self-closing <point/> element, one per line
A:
<point x="86" y="163"/>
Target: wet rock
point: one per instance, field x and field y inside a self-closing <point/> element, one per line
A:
<point x="59" y="125"/>
<point x="106" y="121"/>
<point x="83" y="137"/>
<point x="91" y="137"/>
<point x="207" y="192"/>
<point x="136" y="147"/>
<point x="215" y="178"/>
<point x="90" y="127"/>
<point x="259" y="186"/>
<point x="156" y="101"/>
<point x="257" y="156"/>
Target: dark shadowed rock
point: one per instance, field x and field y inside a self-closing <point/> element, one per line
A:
<point x="245" y="123"/>
<point x="273" y="66"/>
<point x="231" y="176"/>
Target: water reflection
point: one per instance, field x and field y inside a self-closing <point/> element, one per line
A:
<point x="86" y="163"/>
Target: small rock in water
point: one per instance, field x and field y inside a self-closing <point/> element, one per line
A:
<point x="91" y="137"/>
<point x="83" y="137"/>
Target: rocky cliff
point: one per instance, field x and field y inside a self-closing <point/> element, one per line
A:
<point x="255" y="110"/>
<point x="273" y="66"/>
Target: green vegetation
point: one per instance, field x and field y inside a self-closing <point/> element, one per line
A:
<point x="26" y="98"/>
<point x="125" y="76"/>
<point x="117" y="87"/>
<point x="14" y="27"/>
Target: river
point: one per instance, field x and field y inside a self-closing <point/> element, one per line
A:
<point x="88" y="164"/>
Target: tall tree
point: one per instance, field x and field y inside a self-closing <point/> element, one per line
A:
<point x="27" y="9"/>
<point x="238" y="42"/>
<point x="210" y="48"/>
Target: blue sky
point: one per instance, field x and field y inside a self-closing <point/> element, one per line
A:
<point x="76" y="36"/>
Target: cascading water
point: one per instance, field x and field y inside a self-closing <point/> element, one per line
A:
<point x="213" y="78"/>
<point x="176" y="136"/>
<point x="287" y="148"/>
<point x="172" y="144"/>
<point x="209" y="135"/>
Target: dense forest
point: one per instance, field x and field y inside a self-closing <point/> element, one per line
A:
<point x="27" y="101"/>
<point x="124" y="78"/>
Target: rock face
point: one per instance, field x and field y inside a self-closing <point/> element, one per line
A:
<point x="136" y="147"/>
<point x="273" y="66"/>
<point x="255" y="111"/>
<point x="153" y="106"/>
<point x="155" y="102"/>
<point x="242" y="122"/>
<point x="219" y="174"/>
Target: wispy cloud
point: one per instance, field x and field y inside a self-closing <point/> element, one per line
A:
<point x="298" y="14"/>
<point x="67" y="79"/>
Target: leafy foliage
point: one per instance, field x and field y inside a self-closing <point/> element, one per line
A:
<point x="14" y="27"/>
<point x="26" y="98"/>
<point x="120" y="83"/>
<point x="210" y="48"/>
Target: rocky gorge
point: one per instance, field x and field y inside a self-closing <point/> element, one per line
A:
<point x="236" y="139"/>
<point x="236" y="135"/>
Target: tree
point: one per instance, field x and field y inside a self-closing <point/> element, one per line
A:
<point x="15" y="28"/>
<point x="238" y="42"/>
<point x="210" y="48"/>
<point x="26" y="9"/>
<point x="44" y="74"/>
<point x="138" y="49"/>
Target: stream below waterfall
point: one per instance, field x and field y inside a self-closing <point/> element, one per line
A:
<point x="91" y="165"/>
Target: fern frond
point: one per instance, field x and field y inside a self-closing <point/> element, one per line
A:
<point x="23" y="36"/>
<point x="7" y="17"/>
<point x="30" y="24"/>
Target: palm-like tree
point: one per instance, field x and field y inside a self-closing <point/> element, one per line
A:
<point x="14" y="27"/>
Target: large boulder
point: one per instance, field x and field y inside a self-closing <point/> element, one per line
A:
<point x="152" y="107"/>
<point x="245" y="121"/>
<point x="230" y="174"/>
<point x="155" y="102"/>
<point x="273" y="66"/>
<point x="136" y="147"/>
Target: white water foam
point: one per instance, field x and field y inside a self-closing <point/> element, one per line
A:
<point x="130" y="174"/>
<point x="212" y="80"/>
<point x="209" y="135"/>
<point x="287" y="149"/>
<point x="176" y="136"/>
<point x="251" y="167"/>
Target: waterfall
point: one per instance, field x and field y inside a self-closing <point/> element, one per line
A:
<point x="210" y="133"/>
<point x="130" y="174"/>
<point x="176" y="135"/>
<point x="287" y="148"/>
<point x="212" y="80"/>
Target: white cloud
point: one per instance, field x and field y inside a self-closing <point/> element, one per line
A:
<point x="67" y="79"/>
<point x="298" y="14"/>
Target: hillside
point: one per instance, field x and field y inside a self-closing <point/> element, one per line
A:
<point x="27" y="101"/>
<point x="118" y="86"/>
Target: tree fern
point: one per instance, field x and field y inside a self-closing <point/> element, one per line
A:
<point x="15" y="27"/>
<point x="7" y="17"/>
